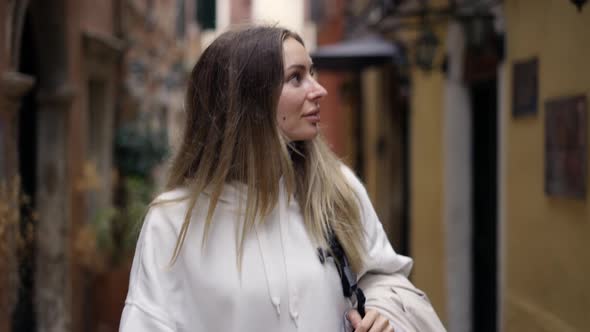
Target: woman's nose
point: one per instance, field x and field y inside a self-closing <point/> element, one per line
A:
<point x="318" y="91"/>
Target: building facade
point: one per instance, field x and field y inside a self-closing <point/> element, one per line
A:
<point x="497" y="232"/>
<point x="489" y="239"/>
<point x="72" y="72"/>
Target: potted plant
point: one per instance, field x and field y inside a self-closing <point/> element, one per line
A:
<point x="106" y="244"/>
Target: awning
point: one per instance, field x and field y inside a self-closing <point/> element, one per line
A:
<point x="355" y="54"/>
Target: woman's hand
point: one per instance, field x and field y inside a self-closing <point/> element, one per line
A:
<point x="372" y="322"/>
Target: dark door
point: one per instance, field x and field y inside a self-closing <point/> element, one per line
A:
<point x="24" y="312"/>
<point x="484" y="208"/>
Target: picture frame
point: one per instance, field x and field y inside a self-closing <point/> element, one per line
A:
<point x="566" y="146"/>
<point x="525" y="87"/>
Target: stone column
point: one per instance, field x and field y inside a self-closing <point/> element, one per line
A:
<point x="457" y="212"/>
<point x="52" y="232"/>
<point x="13" y="86"/>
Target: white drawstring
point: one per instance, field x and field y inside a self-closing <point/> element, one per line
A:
<point x="266" y="249"/>
<point x="283" y="224"/>
<point x="272" y="291"/>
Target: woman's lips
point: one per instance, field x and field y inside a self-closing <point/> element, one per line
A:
<point x="313" y="116"/>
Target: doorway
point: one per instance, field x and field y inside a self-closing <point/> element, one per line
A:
<point x="484" y="204"/>
<point x="24" y="312"/>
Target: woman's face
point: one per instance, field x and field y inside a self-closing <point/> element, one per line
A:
<point x="298" y="111"/>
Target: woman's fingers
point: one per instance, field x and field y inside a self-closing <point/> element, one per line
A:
<point x="381" y="324"/>
<point x="367" y="321"/>
<point x="354" y="318"/>
<point x="372" y="322"/>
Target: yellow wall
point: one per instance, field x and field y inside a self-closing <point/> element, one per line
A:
<point x="547" y="240"/>
<point x="427" y="246"/>
<point x="426" y="186"/>
<point x="382" y="159"/>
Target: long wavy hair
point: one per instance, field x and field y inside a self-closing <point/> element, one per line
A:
<point x="231" y="134"/>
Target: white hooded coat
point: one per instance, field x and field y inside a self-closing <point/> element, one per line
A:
<point x="283" y="285"/>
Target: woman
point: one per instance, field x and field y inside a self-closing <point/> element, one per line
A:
<point x="253" y="193"/>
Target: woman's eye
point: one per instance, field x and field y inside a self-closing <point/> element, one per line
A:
<point x="295" y="78"/>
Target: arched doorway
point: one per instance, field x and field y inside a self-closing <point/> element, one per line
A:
<point x="23" y="318"/>
<point x="38" y="149"/>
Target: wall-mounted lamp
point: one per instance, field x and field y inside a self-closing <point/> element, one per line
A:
<point x="579" y="4"/>
<point x="426" y="46"/>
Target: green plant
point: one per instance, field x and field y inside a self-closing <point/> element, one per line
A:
<point x="110" y="237"/>
<point x="127" y="221"/>
<point x="138" y="149"/>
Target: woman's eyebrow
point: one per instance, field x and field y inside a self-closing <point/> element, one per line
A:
<point x="297" y="66"/>
<point x="300" y="66"/>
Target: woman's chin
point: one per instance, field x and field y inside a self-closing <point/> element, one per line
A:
<point x="307" y="135"/>
<point x="313" y="133"/>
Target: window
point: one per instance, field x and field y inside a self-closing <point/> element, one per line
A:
<point x="180" y="18"/>
<point x="206" y="14"/>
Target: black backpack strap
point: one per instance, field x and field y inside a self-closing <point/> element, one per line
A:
<point x="347" y="276"/>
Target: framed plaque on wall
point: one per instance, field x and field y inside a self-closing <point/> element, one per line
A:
<point x="525" y="87"/>
<point x="566" y="146"/>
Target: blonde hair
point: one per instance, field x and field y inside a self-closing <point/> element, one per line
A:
<point x="231" y="134"/>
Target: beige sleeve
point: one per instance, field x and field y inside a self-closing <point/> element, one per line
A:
<point x="384" y="275"/>
<point x="406" y="307"/>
